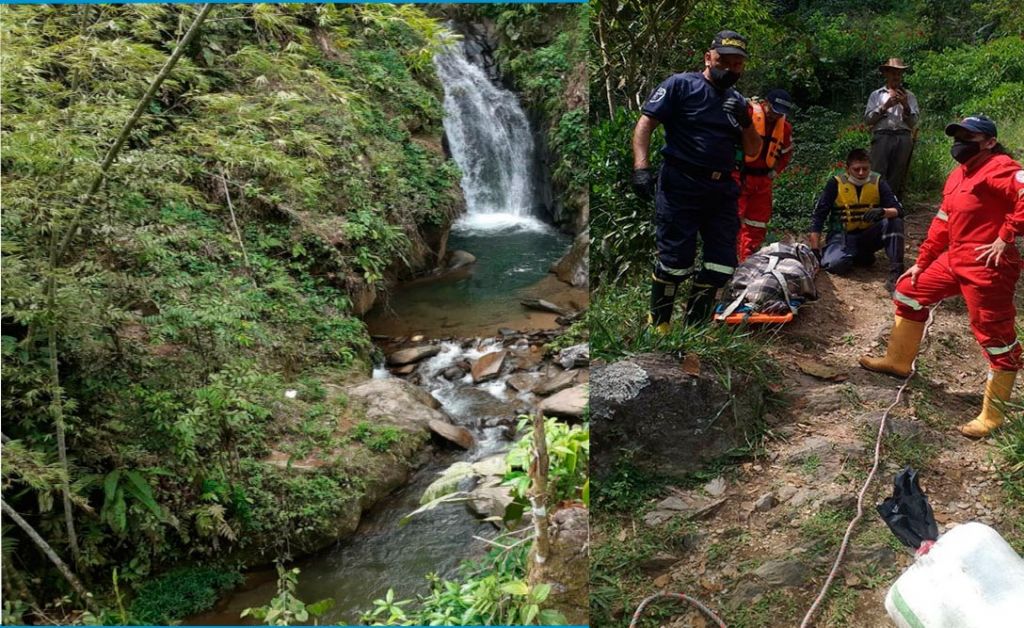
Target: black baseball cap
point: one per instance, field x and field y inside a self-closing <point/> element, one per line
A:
<point x="974" y="124"/>
<point x="730" y="43"/>
<point x="780" y="100"/>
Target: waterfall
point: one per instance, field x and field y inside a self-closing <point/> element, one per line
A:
<point x="490" y="140"/>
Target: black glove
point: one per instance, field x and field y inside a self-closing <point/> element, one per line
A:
<point x="644" y="183"/>
<point x="817" y="253"/>
<point x="737" y="107"/>
<point x="874" y="214"/>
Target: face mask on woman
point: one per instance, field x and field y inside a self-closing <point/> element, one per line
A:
<point x="963" y="150"/>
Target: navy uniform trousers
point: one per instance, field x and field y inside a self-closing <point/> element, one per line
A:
<point x="686" y="206"/>
<point x="845" y="249"/>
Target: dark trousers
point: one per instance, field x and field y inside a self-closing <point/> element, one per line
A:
<point x="685" y="207"/>
<point x="890" y="157"/>
<point x="845" y="249"/>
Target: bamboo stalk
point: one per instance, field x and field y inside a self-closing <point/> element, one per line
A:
<point x="57" y="254"/>
<point x="48" y="551"/>
<point x="234" y="223"/>
<point x="122" y="137"/>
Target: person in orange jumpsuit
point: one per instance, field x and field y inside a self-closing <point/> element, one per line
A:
<point x="757" y="173"/>
<point x="970" y="250"/>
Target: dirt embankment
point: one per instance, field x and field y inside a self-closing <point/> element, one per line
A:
<point x="762" y="556"/>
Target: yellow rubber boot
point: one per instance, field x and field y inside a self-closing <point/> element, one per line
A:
<point x="997" y="394"/>
<point x="661" y="329"/>
<point x="904" y="342"/>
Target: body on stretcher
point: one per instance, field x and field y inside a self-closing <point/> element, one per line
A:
<point x="769" y="286"/>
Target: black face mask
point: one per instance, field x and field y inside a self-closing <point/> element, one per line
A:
<point x="962" y="150"/>
<point x="723" y="79"/>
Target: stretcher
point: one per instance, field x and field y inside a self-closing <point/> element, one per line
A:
<point x="747" y="316"/>
<point x="761" y="293"/>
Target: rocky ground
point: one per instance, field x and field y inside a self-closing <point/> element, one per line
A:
<point x="755" y="540"/>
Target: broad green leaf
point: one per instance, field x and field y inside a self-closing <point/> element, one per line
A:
<point x="140" y="490"/>
<point x="317" y="609"/>
<point x="110" y="486"/>
<point x="516" y="587"/>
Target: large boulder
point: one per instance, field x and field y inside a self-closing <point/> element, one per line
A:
<point x="574" y="267"/>
<point x="673" y="421"/>
<point x="397" y="402"/>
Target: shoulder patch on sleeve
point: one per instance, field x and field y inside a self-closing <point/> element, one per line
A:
<point x="1019" y="177"/>
<point x="658" y="95"/>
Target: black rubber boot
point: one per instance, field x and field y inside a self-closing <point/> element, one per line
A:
<point x="663" y="295"/>
<point x="700" y="305"/>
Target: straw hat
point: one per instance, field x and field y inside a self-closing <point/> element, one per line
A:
<point x="895" y="63"/>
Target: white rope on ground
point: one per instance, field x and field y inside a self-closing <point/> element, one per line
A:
<point x="860" y="496"/>
<point x="675" y="596"/>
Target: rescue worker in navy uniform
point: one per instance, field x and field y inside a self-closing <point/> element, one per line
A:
<point x="864" y="216"/>
<point x="707" y="122"/>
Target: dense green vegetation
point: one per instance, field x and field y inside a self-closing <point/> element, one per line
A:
<point x="291" y="158"/>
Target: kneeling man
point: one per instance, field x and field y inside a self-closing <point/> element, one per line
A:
<point x="863" y="217"/>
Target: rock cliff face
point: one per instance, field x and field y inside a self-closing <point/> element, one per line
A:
<point x="674" y="421"/>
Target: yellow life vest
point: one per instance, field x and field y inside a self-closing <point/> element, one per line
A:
<point x="774" y="142"/>
<point x="851" y="206"/>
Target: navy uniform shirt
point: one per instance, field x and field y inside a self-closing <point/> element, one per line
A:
<point x="697" y="131"/>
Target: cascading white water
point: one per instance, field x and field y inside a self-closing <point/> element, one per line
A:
<point x="490" y="140"/>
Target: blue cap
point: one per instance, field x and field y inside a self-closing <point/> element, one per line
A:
<point x="730" y="43"/>
<point x="780" y="101"/>
<point x="973" y="124"/>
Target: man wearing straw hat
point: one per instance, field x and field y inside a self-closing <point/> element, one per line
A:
<point x="892" y="115"/>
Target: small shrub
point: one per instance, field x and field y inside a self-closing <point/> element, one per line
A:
<point x="180" y="593"/>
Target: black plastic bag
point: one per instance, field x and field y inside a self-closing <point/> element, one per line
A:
<point x="908" y="513"/>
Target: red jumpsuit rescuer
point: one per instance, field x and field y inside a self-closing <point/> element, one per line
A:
<point x="755" y="204"/>
<point x="970" y="250"/>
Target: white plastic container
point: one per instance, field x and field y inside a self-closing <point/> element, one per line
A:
<point x="970" y="578"/>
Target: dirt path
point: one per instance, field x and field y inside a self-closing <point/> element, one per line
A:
<point x="763" y="555"/>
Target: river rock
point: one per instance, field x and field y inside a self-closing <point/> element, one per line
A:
<point x="459" y="259"/>
<point x="455" y="433"/>
<point x="404" y="370"/>
<point x="559" y="381"/>
<point x="568" y="404"/>
<point x="490" y="501"/>
<point x="492" y="465"/>
<point x="544" y="306"/>
<point x="576" y="356"/>
<point x="524" y="382"/>
<point x="488" y="366"/>
<point x="453" y="373"/>
<point x="574" y="267"/>
<point x="413" y="354"/>
<point x="667" y="421"/>
<point x="397" y="402"/>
